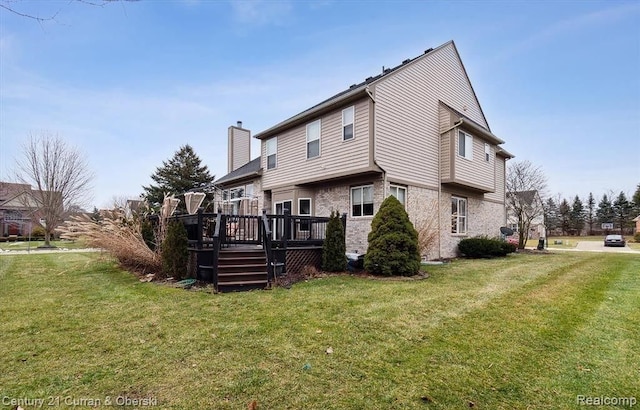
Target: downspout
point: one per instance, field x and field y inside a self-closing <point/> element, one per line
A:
<point x="440" y="194"/>
<point x="373" y="135"/>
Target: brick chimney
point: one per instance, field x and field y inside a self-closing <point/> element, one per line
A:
<point x="239" y="147"/>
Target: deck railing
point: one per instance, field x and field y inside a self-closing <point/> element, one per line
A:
<point x="207" y="233"/>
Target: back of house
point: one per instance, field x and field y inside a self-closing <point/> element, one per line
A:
<point x="415" y="131"/>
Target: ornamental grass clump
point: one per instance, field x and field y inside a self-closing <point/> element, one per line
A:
<point x="393" y="242"/>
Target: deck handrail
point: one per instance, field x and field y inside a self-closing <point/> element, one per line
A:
<point x="265" y="233"/>
<point x="217" y="241"/>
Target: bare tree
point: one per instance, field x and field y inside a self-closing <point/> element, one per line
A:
<point x="526" y="185"/>
<point x="13" y="6"/>
<point x="60" y="176"/>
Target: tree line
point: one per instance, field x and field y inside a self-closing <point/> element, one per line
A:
<point x="574" y="217"/>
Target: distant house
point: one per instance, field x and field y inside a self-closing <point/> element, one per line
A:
<point x="533" y="201"/>
<point x="637" y="221"/>
<point x="415" y="131"/>
<point x="17" y="209"/>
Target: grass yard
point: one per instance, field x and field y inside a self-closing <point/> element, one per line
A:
<point x="25" y="245"/>
<point x="524" y="332"/>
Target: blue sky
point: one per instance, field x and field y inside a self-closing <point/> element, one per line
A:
<point x="130" y="82"/>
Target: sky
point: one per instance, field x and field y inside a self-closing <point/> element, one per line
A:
<point x="129" y="83"/>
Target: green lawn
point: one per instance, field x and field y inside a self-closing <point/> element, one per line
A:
<point x="523" y="332"/>
<point x="25" y="245"/>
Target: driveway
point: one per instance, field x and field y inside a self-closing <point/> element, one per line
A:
<point x="598" y="246"/>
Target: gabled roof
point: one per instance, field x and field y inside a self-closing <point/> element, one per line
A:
<point x="527" y="196"/>
<point x="467" y="122"/>
<point x="251" y="168"/>
<point x="352" y="94"/>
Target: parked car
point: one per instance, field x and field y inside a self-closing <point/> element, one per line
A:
<point x="614" y="240"/>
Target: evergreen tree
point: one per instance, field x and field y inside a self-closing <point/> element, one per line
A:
<point x="95" y="215"/>
<point x="564" y="214"/>
<point x="636" y="201"/>
<point x="576" y="215"/>
<point x="605" y="212"/>
<point x="175" y="253"/>
<point x="622" y="210"/>
<point x="551" y="215"/>
<point x="334" y="257"/>
<point x="393" y="242"/>
<point x="184" y="171"/>
<point x="590" y="213"/>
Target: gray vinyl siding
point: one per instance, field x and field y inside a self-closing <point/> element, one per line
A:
<point x="476" y="172"/>
<point x="500" y="168"/>
<point x="407" y="119"/>
<point x="336" y="155"/>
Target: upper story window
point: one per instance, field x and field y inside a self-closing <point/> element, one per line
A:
<point x="487" y="152"/>
<point x="465" y="145"/>
<point x="400" y="193"/>
<point x="313" y="139"/>
<point x="362" y="200"/>
<point x="347" y="123"/>
<point x="272" y="150"/>
<point x="458" y="215"/>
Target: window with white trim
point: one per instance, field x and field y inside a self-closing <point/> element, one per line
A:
<point x="487" y="152"/>
<point x="362" y="200"/>
<point x="465" y="145"/>
<point x="400" y="192"/>
<point x="272" y="150"/>
<point x="348" y="115"/>
<point x="458" y="215"/>
<point x="313" y="139"/>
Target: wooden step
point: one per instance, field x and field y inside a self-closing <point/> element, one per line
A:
<point x="260" y="267"/>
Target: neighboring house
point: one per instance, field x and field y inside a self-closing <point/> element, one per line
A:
<point x="637" y="221"/>
<point x="415" y="131"/>
<point x="533" y="201"/>
<point x="17" y="209"/>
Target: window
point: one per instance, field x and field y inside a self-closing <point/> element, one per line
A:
<point x="272" y="149"/>
<point x="313" y="139"/>
<point x="487" y="152"/>
<point x="362" y="200"/>
<point x="458" y="215"/>
<point x="465" y="145"/>
<point x="400" y="193"/>
<point x="304" y="209"/>
<point x="347" y="123"/>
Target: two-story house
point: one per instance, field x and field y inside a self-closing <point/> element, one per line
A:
<point x="415" y="131"/>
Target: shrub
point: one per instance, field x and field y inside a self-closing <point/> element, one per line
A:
<point x="393" y="242"/>
<point x="483" y="247"/>
<point x="636" y="237"/>
<point x="148" y="234"/>
<point x="174" y="252"/>
<point x="334" y="258"/>
<point x="37" y="232"/>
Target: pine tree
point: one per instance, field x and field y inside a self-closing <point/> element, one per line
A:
<point x="95" y="215"/>
<point x="622" y="210"/>
<point x="636" y="201"/>
<point x="576" y="215"/>
<point x="334" y="257"/>
<point x="177" y="176"/>
<point x="590" y="214"/>
<point x="393" y="242"/>
<point x="551" y="215"/>
<point x="564" y="213"/>
<point x="605" y="212"/>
